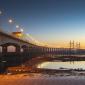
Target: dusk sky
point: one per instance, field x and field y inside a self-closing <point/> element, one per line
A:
<point x="55" y="22"/>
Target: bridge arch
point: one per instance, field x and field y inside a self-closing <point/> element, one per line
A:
<point x="10" y="47"/>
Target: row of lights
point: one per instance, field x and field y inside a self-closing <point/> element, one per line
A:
<point x="11" y="21"/>
<point x="19" y="28"/>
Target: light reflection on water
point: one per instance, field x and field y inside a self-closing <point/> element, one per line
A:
<point x="59" y="64"/>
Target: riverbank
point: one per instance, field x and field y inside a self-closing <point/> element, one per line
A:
<point x="40" y="79"/>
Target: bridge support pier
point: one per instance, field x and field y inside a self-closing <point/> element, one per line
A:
<point x="17" y="49"/>
<point x="4" y="49"/>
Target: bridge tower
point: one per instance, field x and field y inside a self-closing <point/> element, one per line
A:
<point x="71" y="48"/>
<point x="78" y="45"/>
<point x="72" y="45"/>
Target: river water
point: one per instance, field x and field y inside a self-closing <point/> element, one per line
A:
<point x="46" y="79"/>
<point x="60" y="64"/>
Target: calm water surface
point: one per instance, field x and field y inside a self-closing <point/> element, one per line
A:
<point x="60" y="64"/>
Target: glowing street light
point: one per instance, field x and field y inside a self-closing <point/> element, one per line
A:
<point x="10" y="21"/>
<point x="17" y="26"/>
<point x="0" y="12"/>
<point x="21" y="30"/>
<point x="0" y="19"/>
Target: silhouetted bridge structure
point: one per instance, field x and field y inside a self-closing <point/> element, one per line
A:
<point x="24" y="50"/>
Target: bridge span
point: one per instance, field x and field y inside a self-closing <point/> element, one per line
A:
<point x="24" y="50"/>
<point x="22" y="45"/>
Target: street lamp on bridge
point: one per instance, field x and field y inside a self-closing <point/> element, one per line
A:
<point x="0" y="12"/>
<point x="0" y="18"/>
<point x="10" y="21"/>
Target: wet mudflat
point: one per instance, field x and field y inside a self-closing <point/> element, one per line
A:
<point x="40" y="79"/>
